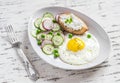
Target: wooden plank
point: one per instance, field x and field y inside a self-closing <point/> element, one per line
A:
<point x="17" y="13"/>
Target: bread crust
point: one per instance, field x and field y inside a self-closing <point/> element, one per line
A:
<point x="77" y="32"/>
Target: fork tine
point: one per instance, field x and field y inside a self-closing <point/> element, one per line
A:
<point x="11" y="34"/>
<point x="6" y="28"/>
<point x="8" y="33"/>
<point x="10" y="28"/>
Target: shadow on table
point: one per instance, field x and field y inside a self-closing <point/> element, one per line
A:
<point x="52" y="74"/>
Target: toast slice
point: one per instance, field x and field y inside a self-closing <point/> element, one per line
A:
<point x="71" y="23"/>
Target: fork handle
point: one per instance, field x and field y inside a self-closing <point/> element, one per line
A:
<point x="32" y="73"/>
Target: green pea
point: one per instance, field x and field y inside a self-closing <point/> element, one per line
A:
<point x="58" y="34"/>
<point x="70" y="35"/>
<point x="38" y="31"/>
<point x="39" y="42"/>
<point x="50" y="33"/>
<point x="54" y="21"/>
<point x="56" y="55"/>
<point x="42" y="36"/>
<point x="55" y="51"/>
<point x="88" y="36"/>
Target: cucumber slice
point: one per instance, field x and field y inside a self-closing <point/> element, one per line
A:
<point x="48" y="37"/>
<point x="59" y="33"/>
<point x="48" y="15"/>
<point x="42" y="28"/>
<point x="37" y="22"/>
<point x="40" y="36"/>
<point x="56" y="27"/>
<point x="48" y="49"/>
<point x="57" y="40"/>
<point x="33" y="33"/>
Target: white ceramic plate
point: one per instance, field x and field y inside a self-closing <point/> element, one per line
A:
<point x="94" y="28"/>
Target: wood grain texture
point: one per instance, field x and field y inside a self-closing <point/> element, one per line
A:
<point x="17" y="13"/>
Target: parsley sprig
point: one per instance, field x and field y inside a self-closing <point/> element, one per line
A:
<point x="69" y="20"/>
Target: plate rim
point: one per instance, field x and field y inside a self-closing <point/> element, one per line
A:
<point x="100" y="62"/>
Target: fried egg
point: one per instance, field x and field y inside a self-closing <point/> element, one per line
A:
<point x="80" y="49"/>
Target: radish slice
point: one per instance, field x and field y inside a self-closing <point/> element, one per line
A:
<point x="57" y="17"/>
<point x="47" y="24"/>
<point x="46" y="42"/>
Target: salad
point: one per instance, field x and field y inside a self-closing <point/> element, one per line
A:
<point x="48" y="34"/>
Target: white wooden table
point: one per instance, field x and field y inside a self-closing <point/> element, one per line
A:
<point x="17" y="13"/>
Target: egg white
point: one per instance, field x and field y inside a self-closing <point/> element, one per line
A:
<point x="83" y="56"/>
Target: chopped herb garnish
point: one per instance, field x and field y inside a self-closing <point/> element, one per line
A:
<point x="39" y="42"/>
<point x="88" y="36"/>
<point x="69" y="20"/>
<point x="70" y="35"/>
<point x="54" y="21"/>
<point x="38" y="31"/>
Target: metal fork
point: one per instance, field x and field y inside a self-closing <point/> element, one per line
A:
<point x="32" y="73"/>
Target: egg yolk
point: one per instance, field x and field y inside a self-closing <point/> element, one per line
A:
<point x="75" y="44"/>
